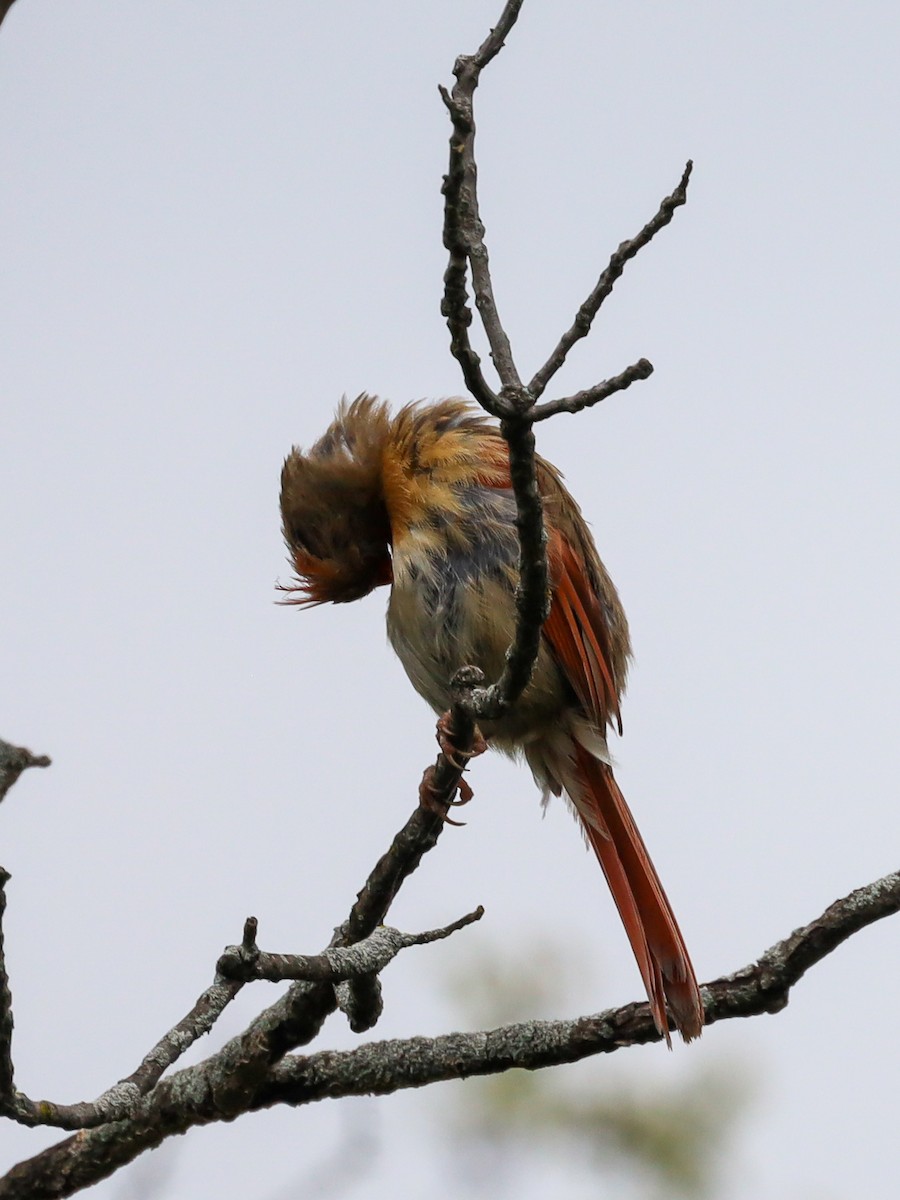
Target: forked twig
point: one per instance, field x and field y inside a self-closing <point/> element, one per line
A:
<point x="515" y="404"/>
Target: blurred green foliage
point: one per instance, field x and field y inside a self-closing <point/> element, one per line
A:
<point x="599" y="1119"/>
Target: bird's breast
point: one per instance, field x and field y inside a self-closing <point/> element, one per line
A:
<point x="448" y="607"/>
<point x="453" y="604"/>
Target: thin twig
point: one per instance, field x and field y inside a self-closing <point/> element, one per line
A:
<point x="584" y="318"/>
<point x="464" y="231"/>
<point x="455" y="303"/>
<point x="13" y="761"/>
<point x="642" y="369"/>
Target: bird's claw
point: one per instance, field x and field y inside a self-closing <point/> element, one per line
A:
<point x="430" y="801"/>
<point x="455" y="755"/>
<point x="428" y="798"/>
<point x="465" y="794"/>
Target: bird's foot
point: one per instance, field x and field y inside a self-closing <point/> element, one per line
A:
<point x="433" y="799"/>
<point x="438" y="800"/>
<point x="457" y="757"/>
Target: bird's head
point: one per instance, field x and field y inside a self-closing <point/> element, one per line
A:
<point x="333" y="512"/>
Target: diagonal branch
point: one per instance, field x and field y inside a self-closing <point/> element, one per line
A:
<point x="642" y="369"/>
<point x="122" y="1098"/>
<point x="584" y="318"/>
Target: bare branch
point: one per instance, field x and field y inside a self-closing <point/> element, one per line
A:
<point x="16" y="759"/>
<point x="359" y="998"/>
<point x="455" y="304"/>
<point x="237" y="966"/>
<point x="294" y="1020"/>
<point x="464" y="231"/>
<point x="297" y="1017"/>
<point x="416" y="838"/>
<point x="464" y="237"/>
<point x="5" y="6"/>
<point x="533" y="589"/>
<point x="584" y="318"/>
<point x="642" y="369"/>
<point x="492" y="44"/>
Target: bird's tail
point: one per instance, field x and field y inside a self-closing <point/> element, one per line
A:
<point x="655" y="938"/>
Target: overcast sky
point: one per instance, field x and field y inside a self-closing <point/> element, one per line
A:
<point x="216" y="218"/>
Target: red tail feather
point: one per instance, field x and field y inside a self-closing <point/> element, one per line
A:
<point x="645" y="911"/>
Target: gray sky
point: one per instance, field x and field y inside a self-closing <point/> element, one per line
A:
<point x="218" y="217"/>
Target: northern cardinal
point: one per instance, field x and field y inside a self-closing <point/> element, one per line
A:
<point x="421" y="500"/>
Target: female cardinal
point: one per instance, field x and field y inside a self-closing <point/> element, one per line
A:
<point x="422" y="501"/>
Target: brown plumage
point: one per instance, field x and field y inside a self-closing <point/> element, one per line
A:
<point x="422" y="500"/>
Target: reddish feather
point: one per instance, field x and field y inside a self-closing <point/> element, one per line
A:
<point x="576" y="631"/>
<point x="655" y="938"/>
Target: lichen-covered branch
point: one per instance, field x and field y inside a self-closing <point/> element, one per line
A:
<point x="122" y="1098"/>
<point x="337" y="964"/>
<point x="200" y="1094"/>
<point x="762" y="987"/>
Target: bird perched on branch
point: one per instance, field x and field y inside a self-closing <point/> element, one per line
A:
<point x="422" y="500"/>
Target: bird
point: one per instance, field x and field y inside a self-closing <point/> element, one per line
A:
<point x="421" y="501"/>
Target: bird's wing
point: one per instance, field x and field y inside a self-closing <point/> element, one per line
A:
<point x="578" y="634"/>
